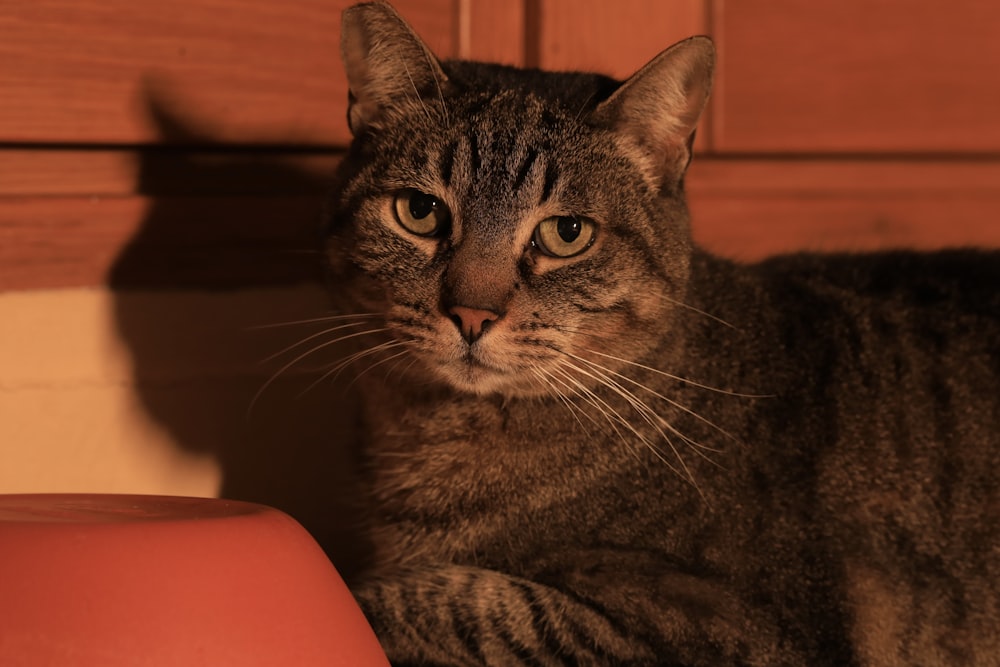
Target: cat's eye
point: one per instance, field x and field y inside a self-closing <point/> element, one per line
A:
<point x="564" y="235"/>
<point x="420" y="213"/>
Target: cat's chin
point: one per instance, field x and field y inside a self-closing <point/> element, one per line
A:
<point x="481" y="380"/>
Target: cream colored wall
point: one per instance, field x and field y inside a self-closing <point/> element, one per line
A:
<point x="69" y="416"/>
<point x="145" y="392"/>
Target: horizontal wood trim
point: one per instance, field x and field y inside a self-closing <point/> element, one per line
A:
<point x="153" y="243"/>
<point x="184" y="72"/>
<point x="254" y="225"/>
<point x="879" y="76"/>
<point x="831" y="176"/>
<point x="750" y="228"/>
<point x="749" y="209"/>
<point x="163" y="172"/>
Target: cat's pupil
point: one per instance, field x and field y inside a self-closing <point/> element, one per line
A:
<point x="568" y="229"/>
<point x="422" y="205"/>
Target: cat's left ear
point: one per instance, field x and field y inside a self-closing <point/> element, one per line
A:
<point x="386" y="63"/>
<point x="658" y="107"/>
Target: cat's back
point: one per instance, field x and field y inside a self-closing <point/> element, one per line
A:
<point x="962" y="280"/>
<point x="900" y="357"/>
<point x="879" y="314"/>
<point x="901" y="347"/>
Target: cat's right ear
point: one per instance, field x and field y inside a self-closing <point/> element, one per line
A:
<point x="386" y="64"/>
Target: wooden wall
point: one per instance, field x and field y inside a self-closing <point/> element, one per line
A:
<point x="163" y="165"/>
<point x="187" y="143"/>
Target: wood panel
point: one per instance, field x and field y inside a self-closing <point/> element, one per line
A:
<point x="156" y="243"/>
<point x="251" y="71"/>
<point x="614" y="38"/>
<point x="492" y="31"/>
<point x="247" y="215"/>
<point x="120" y="172"/>
<point x="876" y="76"/>
<point x="160" y="218"/>
<point x="750" y="209"/>
<point x="252" y="223"/>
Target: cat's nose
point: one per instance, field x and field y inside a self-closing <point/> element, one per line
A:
<point x="472" y="322"/>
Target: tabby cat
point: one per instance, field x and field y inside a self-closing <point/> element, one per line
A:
<point x="590" y="442"/>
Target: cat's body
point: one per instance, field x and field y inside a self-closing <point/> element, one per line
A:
<point x="590" y="442"/>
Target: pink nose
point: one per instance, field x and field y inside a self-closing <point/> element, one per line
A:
<point x="472" y="322"/>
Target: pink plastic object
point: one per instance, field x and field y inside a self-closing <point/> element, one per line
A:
<point x="109" y="580"/>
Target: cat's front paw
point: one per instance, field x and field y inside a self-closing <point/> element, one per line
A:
<point x="400" y="626"/>
<point x="456" y="616"/>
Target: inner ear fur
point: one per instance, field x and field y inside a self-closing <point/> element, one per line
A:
<point x="658" y="107"/>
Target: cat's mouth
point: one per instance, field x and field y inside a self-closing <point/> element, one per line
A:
<point x="475" y="371"/>
<point x="492" y="363"/>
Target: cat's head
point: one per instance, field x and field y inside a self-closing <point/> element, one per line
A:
<point x="513" y="225"/>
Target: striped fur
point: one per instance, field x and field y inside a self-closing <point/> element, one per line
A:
<point x="650" y="456"/>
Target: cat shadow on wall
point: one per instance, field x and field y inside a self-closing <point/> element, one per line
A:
<point x="230" y="245"/>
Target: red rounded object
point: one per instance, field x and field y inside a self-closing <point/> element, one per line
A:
<point x="109" y="580"/>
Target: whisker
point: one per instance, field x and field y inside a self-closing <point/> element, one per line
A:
<point x="379" y="363"/>
<point x="549" y="382"/>
<point x="666" y="399"/>
<point x="314" y="336"/>
<point x="420" y="100"/>
<point x="334" y="371"/>
<point x="395" y="367"/>
<point x="281" y="371"/>
<point x="437" y="84"/>
<point x="583" y="107"/>
<point x="651" y="416"/>
<point x="611" y="415"/>
<point x="701" y="312"/>
<point x="644" y="411"/>
<point x="406" y="370"/>
<point x="313" y="320"/>
<point x="678" y="378"/>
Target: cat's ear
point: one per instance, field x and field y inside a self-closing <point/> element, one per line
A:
<point x="386" y="63"/>
<point x="658" y="107"/>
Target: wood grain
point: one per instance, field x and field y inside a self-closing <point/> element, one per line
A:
<point x="492" y="31"/>
<point x="116" y="172"/>
<point x="183" y="72"/>
<point x="615" y="38"/>
<point x="256" y="222"/>
<point x="158" y="243"/>
<point x="249" y="73"/>
<point x="749" y="209"/>
<point x="888" y="76"/>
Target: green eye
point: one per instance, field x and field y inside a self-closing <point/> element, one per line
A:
<point x="421" y="214"/>
<point x="564" y="235"/>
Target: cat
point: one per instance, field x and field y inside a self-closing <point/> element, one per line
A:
<point x="591" y="442"/>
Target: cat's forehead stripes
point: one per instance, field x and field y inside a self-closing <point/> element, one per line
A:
<point x="503" y="168"/>
<point x="525" y="168"/>
<point x="497" y="184"/>
<point x="551" y="178"/>
<point x="446" y="163"/>
<point x="475" y="159"/>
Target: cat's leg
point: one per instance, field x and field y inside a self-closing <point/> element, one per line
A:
<point x="463" y="616"/>
<point x="468" y="616"/>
